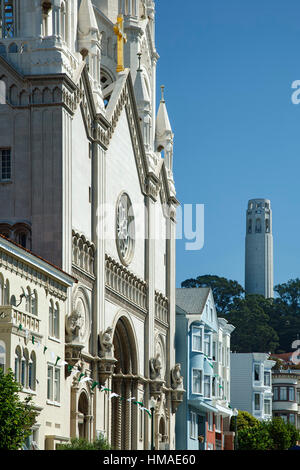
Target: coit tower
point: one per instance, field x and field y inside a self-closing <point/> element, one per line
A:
<point x="259" y="248"/>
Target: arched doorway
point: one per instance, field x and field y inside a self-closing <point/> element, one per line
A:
<point x="124" y="383"/>
<point x="83" y="417"/>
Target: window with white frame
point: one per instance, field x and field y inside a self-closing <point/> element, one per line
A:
<point x="207" y="340"/>
<point x="257" y="372"/>
<point x="210" y="421"/>
<point x="197" y="339"/>
<point x="214" y="351"/>
<point x="53" y="383"/>
<point x="218" y="422"/>
<point x="197" y="381"/>
<point x="267" y="406"/>
<point x="207" y="381"/>
<point x="53" y="320"/>
<point x="257" y="401"/>
<point x="193" y="425"/>
<point x="267" y="378"/>
<point x="5" y="165"/>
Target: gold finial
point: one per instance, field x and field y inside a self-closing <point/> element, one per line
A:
<point x="162" y="94"/>
<point x="122" y="39"/>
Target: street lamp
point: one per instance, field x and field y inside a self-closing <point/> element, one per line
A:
<point x="152" y="408"/>
<point x="235" y="414"/>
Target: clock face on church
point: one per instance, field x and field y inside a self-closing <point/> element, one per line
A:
<point x="125" y="228"/>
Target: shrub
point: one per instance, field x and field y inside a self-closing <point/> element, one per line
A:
<point x="83" y="444"/>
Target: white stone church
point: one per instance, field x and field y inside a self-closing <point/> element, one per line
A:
<point x="86" y="183"/>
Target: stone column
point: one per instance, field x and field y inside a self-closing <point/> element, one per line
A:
<point x="127" y="409"/>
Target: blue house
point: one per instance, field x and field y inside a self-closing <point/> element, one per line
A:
<point x="202" y="344"/>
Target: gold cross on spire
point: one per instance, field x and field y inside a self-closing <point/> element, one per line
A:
<point x="122" y="39"/>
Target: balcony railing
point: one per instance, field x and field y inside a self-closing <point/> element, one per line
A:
<point x="11" y="315"/>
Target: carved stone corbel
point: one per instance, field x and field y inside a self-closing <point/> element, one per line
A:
<point x="177" y="387"/>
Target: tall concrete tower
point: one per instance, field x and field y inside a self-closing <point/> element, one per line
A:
<point x="259" y="248"/>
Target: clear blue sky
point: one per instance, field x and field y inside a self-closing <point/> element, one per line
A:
<point x="228" y="66"/>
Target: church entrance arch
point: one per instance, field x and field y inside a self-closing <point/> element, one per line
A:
<point x="124" y="383"/>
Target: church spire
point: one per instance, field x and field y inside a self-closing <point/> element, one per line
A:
<point x="164" y="134"/>
<point x="89" y="41"/>
<point x="143" y="103"/>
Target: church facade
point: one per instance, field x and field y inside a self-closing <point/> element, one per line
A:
<point x="87" y="184"/>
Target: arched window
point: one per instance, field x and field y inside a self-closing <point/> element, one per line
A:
<point x="28" y="300"/>
<point x="2" y="355"/>
<point x="250" y="226"/>
<point x="34" y="303"/>
<point x="32" y="371"/>
<point x="6" y="293"/>
<point x="63" y="18"/>
<point x="53" y="320"/>
<point x="13" y="47"/>
<point x="258" y="226"/>
<point x="24" y="369"/>
<point x="13" y="301"/>
<point x="18" y="364"/>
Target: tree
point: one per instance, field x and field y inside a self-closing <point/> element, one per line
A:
<point x="16" y="416"/>
<point x="253" y="331"/>
<point x="82" y="444"/>
<point x="224" y="291"/>
<point x="244" y="420"/>
<point x="255" y="438"/>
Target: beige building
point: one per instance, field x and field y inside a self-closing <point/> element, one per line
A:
<point x="86" y="165"/>
<point x="33" y="306"/>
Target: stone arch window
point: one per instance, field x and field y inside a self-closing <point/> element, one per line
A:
<point x="28" y="300"/>
<point x="13" y="48"/>
<point x="46" y="7"/>
<point x="22" y="235"/>
<point x="18" y="355"/>
<point x="32" y="371"/>
<point x="34" y="303"/>
<point x="250" y="226"/>
<point x="6" y="292"/>
<point x="53" y="320"/>
<point x="2" y="355"/>
<point x="2" y="49"/>
<point x="258" y="226"/>
<point x="24" y="368"/>
<point x="83" y="416"/>
<point x="13" y="301"/>
<point x="63" y="21"/>
<point x="8" y="18"/>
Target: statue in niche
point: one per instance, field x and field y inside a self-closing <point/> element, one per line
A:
<point x="74" y="324"/>
<point x="105" y="339"/>
<point x="177" y="379"/>
<point x="155" y="367"/>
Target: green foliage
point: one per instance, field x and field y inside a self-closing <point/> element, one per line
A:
<point x="82" y="444"/>
<point x="264" y="435"/>
<point x="16" y="416"/>
<point x="244" y="420"/>
<point x="262" y="325"/>
<point x="255" y="438"/>
<point x="253" y="330"/>
<point x="224" y="291"/>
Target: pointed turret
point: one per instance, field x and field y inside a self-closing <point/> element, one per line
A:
<point x="143" y="104"/>
<point x="89" y="41"/>
<point x="164" y="135"/>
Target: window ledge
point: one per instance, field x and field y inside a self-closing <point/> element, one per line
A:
<point x="56" y="340"/>
<point x="53" y="403"/>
